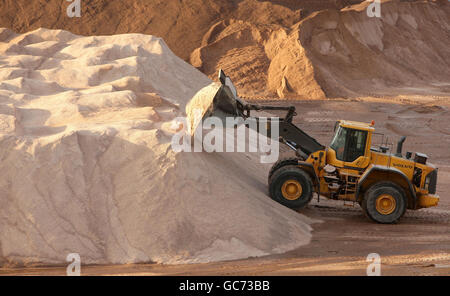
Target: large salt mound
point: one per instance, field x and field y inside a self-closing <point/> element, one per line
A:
<point x="87" y="165"/>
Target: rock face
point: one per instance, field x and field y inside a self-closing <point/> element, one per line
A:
<point x="335" y="53"/>
<point x="182" y="24"/>
<point x="297" y="49"/>
<point x="210" y="34"/>
<point x="87" y="165"/>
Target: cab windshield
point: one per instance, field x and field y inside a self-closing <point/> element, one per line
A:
<point x="338" y="142"/>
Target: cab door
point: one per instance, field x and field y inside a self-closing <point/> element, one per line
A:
<point x="349" y="148"/>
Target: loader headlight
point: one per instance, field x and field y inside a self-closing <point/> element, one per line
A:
<point x="430" y="182"/>
<point x="427" y="182"/>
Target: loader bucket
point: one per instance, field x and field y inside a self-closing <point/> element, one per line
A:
<point x="217" y="99"/>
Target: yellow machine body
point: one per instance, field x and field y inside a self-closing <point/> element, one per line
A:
<point x="363" y="170"/>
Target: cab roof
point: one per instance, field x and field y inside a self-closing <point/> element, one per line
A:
<point x="357" y="125"/>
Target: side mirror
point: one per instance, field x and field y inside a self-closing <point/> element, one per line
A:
<point x="336" y="126"/>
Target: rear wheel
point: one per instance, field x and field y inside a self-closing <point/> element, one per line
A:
<point x="291" y="186"/>
<point x="384" y="202"/>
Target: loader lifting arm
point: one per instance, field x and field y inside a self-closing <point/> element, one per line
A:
<point x="223" y="102"/>
<point x="226" y="100"/>
<point x="289" y="133"/>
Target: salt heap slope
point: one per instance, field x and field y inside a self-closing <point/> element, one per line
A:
<point x="87" y="165"/>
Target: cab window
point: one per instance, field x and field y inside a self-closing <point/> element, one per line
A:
<point x="349" y="144"/>
<point x="356" y="145"/>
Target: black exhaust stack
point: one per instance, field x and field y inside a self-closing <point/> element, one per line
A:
<point x="400" y="146"/>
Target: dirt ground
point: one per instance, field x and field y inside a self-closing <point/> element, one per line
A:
<point x="418" y="245"/>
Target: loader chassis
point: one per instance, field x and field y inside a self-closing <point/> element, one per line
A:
<point x="350" y="169"/>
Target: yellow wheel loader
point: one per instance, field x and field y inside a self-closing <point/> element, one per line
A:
<point x="384" y="183"/>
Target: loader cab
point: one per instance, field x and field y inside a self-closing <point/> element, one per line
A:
<point x="350" y="146"/>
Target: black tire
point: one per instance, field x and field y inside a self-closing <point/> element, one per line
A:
<point x="281" y="163"/>
<point x="288" y="173"/>
<point x="394" y="213"/>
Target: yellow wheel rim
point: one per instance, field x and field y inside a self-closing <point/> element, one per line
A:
<point x="385" y="204"/>
<point x="291" y="189"/>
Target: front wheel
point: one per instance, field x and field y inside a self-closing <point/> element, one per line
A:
<point x="291" y="186"/>
<point x="281" y="163"/>
<point x="384" y="202"/>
